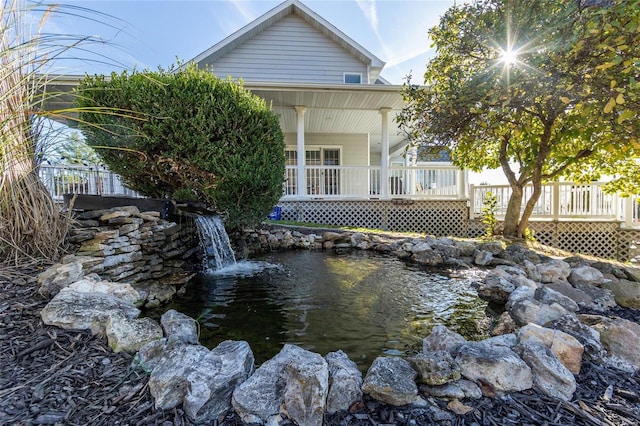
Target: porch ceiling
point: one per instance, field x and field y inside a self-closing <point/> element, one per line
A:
<point x="330" y="108"/>
<point x="336" y="109"/>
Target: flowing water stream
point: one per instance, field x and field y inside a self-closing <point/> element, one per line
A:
<point x="367" y="305"/>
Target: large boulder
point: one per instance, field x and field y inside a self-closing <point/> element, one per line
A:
<point x="345" y="379"/>
<point x="58" y="277"/>
<point x="553" y="271"/>
<point x="565" y="347"/>
<point x="74" y="310"/>
<point x="427" y="257"/>
<point x="306" y="389"/>
<point x="392" y="381"/>
<point x="122" y="291"/>
<point x="549" y="375"/>
<point x="626" y="293"/>
<point x="587" y="336"/>
<point x="284" y="382"/>
<point x="620" y="337"/>
<point x="585" y="274"/>
<point x="497" y="367"/>
<point x="199" y="379"/>
<point x="534" y="311"/>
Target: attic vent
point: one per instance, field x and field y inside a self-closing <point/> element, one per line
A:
<point x="352" y="78"/>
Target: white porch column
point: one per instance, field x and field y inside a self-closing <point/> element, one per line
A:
<point x="462" y="184"/>
<point x="384" y="157"/>
<point x="302" y="175"/>
<point x="411" y="161"/>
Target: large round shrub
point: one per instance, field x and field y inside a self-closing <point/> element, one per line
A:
<point x="187" y="135"/>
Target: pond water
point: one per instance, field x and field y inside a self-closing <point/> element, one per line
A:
<point x="367" y="305"/>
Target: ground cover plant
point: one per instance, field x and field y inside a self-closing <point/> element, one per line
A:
<point x="187" y="135"/>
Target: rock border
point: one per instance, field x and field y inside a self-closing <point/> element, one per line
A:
<point x="556" y="315"/>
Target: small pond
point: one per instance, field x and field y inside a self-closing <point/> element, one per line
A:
<point x="367" y="305"/>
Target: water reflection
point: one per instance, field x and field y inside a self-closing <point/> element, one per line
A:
<point x="364" y="304"/>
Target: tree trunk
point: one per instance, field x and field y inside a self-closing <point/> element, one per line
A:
<point x="512" y="215"/>
<point x="531" y="203"/>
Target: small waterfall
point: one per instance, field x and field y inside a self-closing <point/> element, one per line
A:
<point x="218" y="253"/>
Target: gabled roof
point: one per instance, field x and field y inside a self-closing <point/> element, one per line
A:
<point x="276" y="14"/>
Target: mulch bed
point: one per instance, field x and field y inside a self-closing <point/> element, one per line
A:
<point x="50" y="376"/>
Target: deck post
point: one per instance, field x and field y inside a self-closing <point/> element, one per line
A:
<point x="384" y="157"/>
<point x="629" y="204"/>
<point x="302" y="176"/>
<point x="555" y="200"/>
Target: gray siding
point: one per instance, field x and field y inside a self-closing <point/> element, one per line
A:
<point x="291" y="50"/>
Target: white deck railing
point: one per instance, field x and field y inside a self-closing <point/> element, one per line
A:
<point x="562" y="200"/>
<point x="559" y="201"/>
<point x="68" y="179"/>
<point x="423" y="182"/>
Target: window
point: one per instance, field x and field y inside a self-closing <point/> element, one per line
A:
<point x="352" y="78"/>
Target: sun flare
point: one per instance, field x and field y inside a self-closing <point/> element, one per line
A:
<point x="509" y="56"/>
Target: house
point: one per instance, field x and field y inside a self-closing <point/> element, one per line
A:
<point x="336" y="111"/>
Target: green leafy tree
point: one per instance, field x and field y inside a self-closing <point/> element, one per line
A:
<point x="189" y="135"/>
<point x="544" y="89"/>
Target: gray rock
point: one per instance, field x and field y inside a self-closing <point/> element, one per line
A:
<point x="602" y="299"/>
<point x="482" y="258"/>
<point x="182" y="326"/>
<point x="460" y="389"/>
<point x="345" y="387"/>
<point x="122" y="291"/>
<point x="550" y="376"/>
<point x="466" y="248"/>
<point x="58" y="277"/>
<point x="80" y="311"/>
<point x="553" y="271"/>
<point x="392" y="381"/>
<point x="507" y="340"/>
<point x="587" y="336"/>
<point x="418" y="247"/>
<point x="533" y="311"/>
<point x="531" y="270"/>
<point x="259" y="398"/>
<point x="199" y="379"/>
<point x="497" y="286"/>
<point x="626" y="293"/>
<point x="583" y="300"/>
<point x="427" y="257"/>
<point x="620" y="337"/>
<point x="549" y="296"/>
<point x="442" y="339"/>
<point x="495" y="366"/>
<point x="586" y="275"/>
<point x="129" y="335"/>
<point x="306" y="389"/>
<point x="493" y="247"/>
<point x="518" y="295"/>
<point x="435" y="368"/>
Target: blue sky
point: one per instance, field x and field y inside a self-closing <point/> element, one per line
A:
<point x="152" y="33"/>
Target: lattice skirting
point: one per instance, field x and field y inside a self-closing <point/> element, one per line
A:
<point x="450" y="218"/>
<point x="440" y="218"/>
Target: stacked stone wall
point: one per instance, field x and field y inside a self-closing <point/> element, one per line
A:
<point x="139" y="248"/>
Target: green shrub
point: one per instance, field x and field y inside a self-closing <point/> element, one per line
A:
<point x="489" y="209"/>
<point x="187" y="133"/>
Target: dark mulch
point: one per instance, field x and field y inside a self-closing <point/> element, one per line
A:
<point x="51" y="376"/>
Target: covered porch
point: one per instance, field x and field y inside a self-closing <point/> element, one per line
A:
<point x="342" y="142"/>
